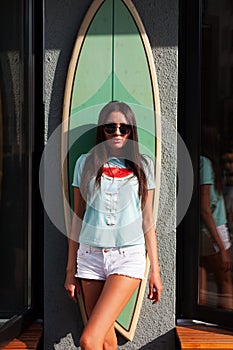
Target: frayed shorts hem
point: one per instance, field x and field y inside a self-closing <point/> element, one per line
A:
<point x="99" y="278"/>
<point x="99" y="263"/>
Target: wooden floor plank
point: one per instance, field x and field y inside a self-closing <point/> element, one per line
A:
<point x="193" y="337"/>
<point x="29" y="339"/>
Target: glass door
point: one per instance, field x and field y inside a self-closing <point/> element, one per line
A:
<point x="21" y="145"/>
<point x="14" y="166"/>
<point x="216" y="157"/>
<point x="205" y="252"/>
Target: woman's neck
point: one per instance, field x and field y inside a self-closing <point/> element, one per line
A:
<point x="117" y="154"/>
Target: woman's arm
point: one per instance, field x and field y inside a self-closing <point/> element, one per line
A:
<point x="71" y="282"/>
<point x="209" y="222"/>
<point x="207" y="216"/>
<point x="155" y="283"/>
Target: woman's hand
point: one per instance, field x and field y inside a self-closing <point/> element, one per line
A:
<point x="72" y="286"/>
<point x="155" y="287"/>
<point x="226" y="262"/>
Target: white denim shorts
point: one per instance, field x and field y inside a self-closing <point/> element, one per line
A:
<point x="99" y="263"/>
<point x="208" y="246"/>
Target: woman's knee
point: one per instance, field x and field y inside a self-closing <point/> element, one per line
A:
<point x="84" y="343"/>
<point x="110" y="346"/>
<point x="88" y="343"/>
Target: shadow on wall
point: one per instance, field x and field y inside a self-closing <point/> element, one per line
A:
<point x="165" y="341"/>
<point x="161" y="343"/>
<point x="63" y="326"/>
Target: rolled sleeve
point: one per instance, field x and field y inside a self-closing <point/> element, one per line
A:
<point x="78" y="170"/>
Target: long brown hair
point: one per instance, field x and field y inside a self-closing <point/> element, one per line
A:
<point x="99" y="155"/>
<point x="210" y="148"/>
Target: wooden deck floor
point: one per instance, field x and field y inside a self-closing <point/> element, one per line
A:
<point x="204" y="337"/>
<point x="29" y="339"/>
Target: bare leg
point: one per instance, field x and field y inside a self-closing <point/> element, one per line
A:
<point x="202" y="285"/>
<point x="116" y="293"/>
<point x="223" y="281"/>
<point x="91" y="291"/>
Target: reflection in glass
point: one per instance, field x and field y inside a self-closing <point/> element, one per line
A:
<point x="216" y="158"/>
<point x="13" y="165"/>
<point x="215" y="258"/>
<point x="228" y="186"/>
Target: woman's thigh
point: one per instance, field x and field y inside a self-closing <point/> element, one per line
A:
<point x="91" y="291"/>
<point x="213" y="264"/>
<point x="116" y="292"/>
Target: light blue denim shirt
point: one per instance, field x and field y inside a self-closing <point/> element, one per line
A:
<point x="216" y="199"/>
<point x="113" y="216"/>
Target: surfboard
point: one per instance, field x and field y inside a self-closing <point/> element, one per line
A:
<point x="111" y="60"/>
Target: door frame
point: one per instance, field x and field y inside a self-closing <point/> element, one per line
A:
<point x="189" y="127"/>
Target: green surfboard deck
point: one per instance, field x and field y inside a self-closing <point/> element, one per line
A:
<point x="110" y="63"/>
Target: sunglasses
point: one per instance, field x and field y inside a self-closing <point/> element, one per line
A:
<point x="112" y="127"/>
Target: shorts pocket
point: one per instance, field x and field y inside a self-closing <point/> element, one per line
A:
<point x="133" y="250"/>
<point x="84" y="250"/>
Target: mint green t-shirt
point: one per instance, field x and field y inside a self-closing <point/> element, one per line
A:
<point x="113" y="216"/>
<point x="216" y="200"/>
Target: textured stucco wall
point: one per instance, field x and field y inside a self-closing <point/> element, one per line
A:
<point x="63" y="324"/>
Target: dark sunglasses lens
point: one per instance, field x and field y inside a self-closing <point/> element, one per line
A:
<point x="125" y="129"/>
<point x="109" y="128"/>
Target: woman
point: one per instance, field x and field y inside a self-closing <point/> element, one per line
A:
<point x="113" y="197"/>
<point x="227" y="159"/>
<point x="215" y="242"/>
